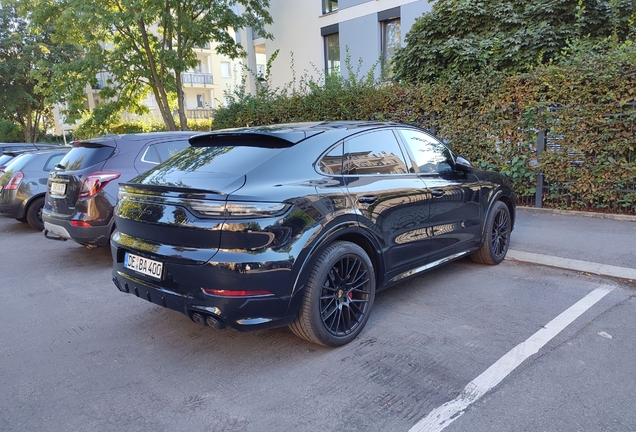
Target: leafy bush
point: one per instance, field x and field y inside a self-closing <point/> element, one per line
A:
<point x="10" y="132"/>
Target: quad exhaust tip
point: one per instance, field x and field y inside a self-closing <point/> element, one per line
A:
<point x="207" y="320"/>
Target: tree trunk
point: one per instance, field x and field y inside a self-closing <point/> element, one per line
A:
<point x="181" y="102"/>
<point x="27" y="126"/>
<point x="158" y="87"/>
<point x="177" y="76"/>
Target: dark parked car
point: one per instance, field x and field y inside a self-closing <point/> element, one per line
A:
<point x="23" y="185"/>
<point x="22" y="146"/>
<point x="302" y="224"/>
<point x="82" y="189"/>
<point x="8" y="152"/>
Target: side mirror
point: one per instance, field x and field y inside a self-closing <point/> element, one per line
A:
<point x="463" y="165"/>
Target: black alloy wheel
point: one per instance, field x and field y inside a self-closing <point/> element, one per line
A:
<point x="497" y="236"/>
<point x="344" y="300"/>
<point x="500" y="233"/>
<point x="338" y="297"/>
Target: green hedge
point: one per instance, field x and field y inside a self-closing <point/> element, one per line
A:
<point x="90" y="129"/>
<point x="586" y="103"/>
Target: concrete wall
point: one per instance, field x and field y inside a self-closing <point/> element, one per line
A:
<point x="362" y="37"/>
<point x="410" y="12"/>
<point x="343" y="4"/>
<point x="296" y="30"/>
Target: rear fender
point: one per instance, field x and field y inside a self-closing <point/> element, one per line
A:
<point x="338" y="232"/>
<point x="25" y="206"/>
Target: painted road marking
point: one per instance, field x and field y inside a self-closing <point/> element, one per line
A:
<point x="444" y="415"/>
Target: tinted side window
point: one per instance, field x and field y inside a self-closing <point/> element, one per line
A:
<point x="53" y="160"/>
<point x="373" y="153"/>
<point x="431" y="156"/>
<point x="160" y="152"/>
<point x="85" y="155"/>
<point x="331" y="163"/>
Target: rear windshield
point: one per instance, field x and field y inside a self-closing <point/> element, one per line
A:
<point x="222" y="159"/>
<point x="19" y="162"/>
<point x="84" y="156"/>
<point x="4" y="159"/>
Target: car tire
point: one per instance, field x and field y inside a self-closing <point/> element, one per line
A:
<point x="34" y="214"/>
<point x="496" y="236"/>
<point x="338" y="296"/>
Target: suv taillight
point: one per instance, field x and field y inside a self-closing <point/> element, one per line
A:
<point x="95" y="182"/>
<point x="15" y="181"/>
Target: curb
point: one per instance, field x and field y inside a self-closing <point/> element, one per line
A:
<point x="624" y="273"/>
<point x="611" y="216"/>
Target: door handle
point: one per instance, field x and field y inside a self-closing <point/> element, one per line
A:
<point x="437" y="192"/>
<point x="367" y="199"/>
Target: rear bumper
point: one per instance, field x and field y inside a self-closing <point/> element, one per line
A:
<point x="8" y="211"/>
<point x="8" y="205"/>
<point x="244" y="313"/>
<point x="186" y="272"/>
<point x="94" y="235"/>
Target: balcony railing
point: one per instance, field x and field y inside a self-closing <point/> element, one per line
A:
<point x="198" y="113"/>
<point x="198" y="78"/>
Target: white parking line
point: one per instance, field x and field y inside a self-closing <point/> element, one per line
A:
<point x="444" y="415"/>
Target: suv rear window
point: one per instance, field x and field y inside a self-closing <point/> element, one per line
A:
<point x="223" y="159"/>
<point x="84" y="156"/>
<point x="4" y="159"/>
<point x="19" y="162"/>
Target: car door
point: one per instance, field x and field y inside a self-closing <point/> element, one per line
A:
<point x="391" y="201"/>
<point x="455" y="211"/>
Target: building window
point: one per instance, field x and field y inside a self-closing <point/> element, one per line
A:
<point x="150" y="101"/>
<point x="332" y="53"/>
<point x="200" y="101"/>
<point x="329" y="6"/>
<point x="391" y="42"/>
<point x="225" y="69"/>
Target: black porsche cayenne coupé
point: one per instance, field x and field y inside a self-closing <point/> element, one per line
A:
<point x="302" y="224"/>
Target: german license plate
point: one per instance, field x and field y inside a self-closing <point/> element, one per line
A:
<point x="58" y="188"/>
<point x="146" y="266"/>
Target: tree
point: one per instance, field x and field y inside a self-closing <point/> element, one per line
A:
<point x="464" y="36"/>
<point x="145" y="45"/>
<point x="28" y="61"/>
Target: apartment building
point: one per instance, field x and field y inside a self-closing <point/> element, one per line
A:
<point x="204" y="87"/>
<point x="316" y="35"/>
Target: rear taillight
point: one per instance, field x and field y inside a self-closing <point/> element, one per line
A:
<point x="15" y="181"/>
<point x="78" y="223"/>
<point x="239" y="210"/>
<point x="95" y="182"/>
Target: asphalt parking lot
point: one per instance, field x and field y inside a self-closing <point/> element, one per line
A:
<point x="78" y="355"/>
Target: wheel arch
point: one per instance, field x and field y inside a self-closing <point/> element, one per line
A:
<point x="24" y="207"/>
<point x="511" y="208"/>
<point x="350" y="232"/>
<point x="499" y="195"/>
